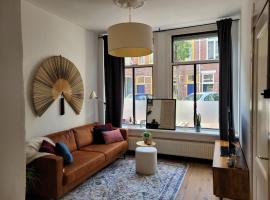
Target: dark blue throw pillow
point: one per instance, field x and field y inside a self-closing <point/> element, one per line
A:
<point x="62" y="150"/>
<point x="98" y="136"/>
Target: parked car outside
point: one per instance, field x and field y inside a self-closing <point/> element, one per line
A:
<point x="139" y="96"/>
<point x="203" y="96"/>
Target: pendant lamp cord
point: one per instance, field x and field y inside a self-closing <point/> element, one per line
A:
<point x="129" y="14"/>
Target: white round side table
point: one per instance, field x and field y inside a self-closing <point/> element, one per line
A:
<point x="142" y="144"/>
<point x="146" y="160"/>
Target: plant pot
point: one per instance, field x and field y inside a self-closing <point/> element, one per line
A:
<point x="198" y="128"/>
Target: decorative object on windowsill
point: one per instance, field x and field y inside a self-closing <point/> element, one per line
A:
<point x="130" y="39"/>
<point x="130" y="120"/>
<point x="93" y="95"/>
<point x="142" y="123"/>
<point x="198" y="122"/>
<point x="147" y="137"/>
<point x="57" y="76"/>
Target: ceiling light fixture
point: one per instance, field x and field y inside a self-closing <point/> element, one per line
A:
<point x="130" y="39"/>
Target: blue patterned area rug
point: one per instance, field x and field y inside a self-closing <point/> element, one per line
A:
<point x="119" y="181"/>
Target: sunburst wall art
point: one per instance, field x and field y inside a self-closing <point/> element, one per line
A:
<point x="57" y="76"/>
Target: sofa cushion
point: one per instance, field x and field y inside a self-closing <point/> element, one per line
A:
<point x="109" y="150"/>
<point x="65" y="136"/>
<point x="84" y="163"/>
<point x="83" y="136"/>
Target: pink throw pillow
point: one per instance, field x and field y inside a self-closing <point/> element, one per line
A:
<point x="112" y="136"/>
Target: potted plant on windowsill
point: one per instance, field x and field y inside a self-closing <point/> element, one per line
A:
<point x="198" y="122"/>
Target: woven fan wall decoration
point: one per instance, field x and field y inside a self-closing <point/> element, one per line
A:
<point x="57" y="76"/>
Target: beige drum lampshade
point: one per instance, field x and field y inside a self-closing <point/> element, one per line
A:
<point x="130" y="40"/>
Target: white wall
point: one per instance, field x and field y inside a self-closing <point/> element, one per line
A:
<point x="246" y="81"/>
<point x="247" y="11"/>
<point x="12" y="173"/>
<point x="46" y="35"/>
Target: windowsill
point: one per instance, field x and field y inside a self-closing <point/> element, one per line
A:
<point x="178" y="130"/>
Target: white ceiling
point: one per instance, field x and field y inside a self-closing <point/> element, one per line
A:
<point x="98" y="15"/>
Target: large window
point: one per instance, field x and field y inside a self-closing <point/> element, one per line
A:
<point x="196" y="79"/>
<point x="138" y="88"/>
<point x="212" y="48"/>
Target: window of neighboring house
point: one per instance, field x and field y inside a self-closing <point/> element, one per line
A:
<point x="138" y="88"/>
<point x="212" y="49"/>
<point x="195" y="60"/>
<point x="207" y="81"/>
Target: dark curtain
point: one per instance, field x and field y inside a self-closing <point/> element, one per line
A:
<point x="114" y="86"/>
<point x="226" y="123"/>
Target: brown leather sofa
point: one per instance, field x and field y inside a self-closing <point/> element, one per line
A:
<point x="55" y="178"/>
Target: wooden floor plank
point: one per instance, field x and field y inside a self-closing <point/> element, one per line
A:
<point x="198" y="183"/>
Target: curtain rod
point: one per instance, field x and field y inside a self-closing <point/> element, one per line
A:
<point x="172" y="29"/>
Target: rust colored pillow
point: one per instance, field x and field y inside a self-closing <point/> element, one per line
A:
<point x="46" y="147"/>
<point x="112" y="136"/>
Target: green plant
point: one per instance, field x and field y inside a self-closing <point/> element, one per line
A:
<point x="146" y="134"/>
<point x="182" y="49"/>
<point x="198" y="119"/>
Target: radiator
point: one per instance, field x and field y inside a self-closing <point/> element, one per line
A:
<point x="191" y="149"/>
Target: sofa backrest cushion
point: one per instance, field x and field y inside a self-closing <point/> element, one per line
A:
<point x="65" y="136"/>
<point x="83" y="135"/>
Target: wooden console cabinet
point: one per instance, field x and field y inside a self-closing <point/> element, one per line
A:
<point x="229" y="182"/>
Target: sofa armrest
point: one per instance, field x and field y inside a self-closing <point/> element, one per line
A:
<point x="49" y="171"/>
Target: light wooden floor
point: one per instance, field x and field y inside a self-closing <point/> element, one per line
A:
<point x="198" y="183"/>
